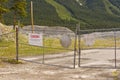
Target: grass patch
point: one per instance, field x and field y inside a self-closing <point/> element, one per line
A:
<point x="1" y="64"/>
<point x="7" y="48"/>
<point x="63" y="13"/>
<point x="51" y="46"/>
<point x="11" y="61"/>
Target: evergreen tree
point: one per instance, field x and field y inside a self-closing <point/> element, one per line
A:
<point x="3" y="9"/>
<point x="19" y="10"/>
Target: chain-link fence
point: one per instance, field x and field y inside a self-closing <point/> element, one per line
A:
<point x="55" y="41"/>
<point x="99" y="48"/>
<point x="57" y="48"/>
<point x="8" y="45"/>
<point x="96" y="48"/>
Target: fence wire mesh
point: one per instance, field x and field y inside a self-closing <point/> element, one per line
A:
<point x="100" y="48"/>
<point x="98" y="39"/>
<point x="58" y="44"/>
<point x="8" y="45"/>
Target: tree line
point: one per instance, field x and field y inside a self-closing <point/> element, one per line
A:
<point x="16" y="7"/>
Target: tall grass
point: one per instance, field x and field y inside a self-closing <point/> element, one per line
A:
<point x="51" y="46"/>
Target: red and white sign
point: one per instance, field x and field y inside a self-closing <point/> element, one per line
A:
<point x="36" y="39"/>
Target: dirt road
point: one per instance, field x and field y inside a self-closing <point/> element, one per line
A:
<point x="90" y="58"/>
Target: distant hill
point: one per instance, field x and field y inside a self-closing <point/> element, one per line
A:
<point x="90" y="13"/>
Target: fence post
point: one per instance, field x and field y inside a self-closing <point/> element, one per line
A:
<point x="75" y="47"/>
<point x="32" y="21"/>
<point x="79" y="47"/>
<point x="115" y="49"/>
<point x="43" y="48"/>
<point x="17" y="45"/>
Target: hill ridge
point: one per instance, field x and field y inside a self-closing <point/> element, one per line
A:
<point x="90" y="13"/>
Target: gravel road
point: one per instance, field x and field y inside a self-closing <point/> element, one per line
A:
<point x="90" y="59"/>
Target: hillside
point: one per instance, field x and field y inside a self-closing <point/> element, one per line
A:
<point x="95" y="13"/>
<point x="90" y="13"/>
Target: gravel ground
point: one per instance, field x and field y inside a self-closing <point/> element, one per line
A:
<point x="90" y="59"/>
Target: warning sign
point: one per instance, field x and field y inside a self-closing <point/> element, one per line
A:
<point x="36" y="39"/>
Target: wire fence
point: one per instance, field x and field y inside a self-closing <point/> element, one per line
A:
<point x="62" y="47"/>
<point x="54" y="40"/>
<point x="99" y="39"/>
<point x="58" y="44"/>
<point x="7" y="45"/>
<point x="58" y="40"/>
<point x="101" y="48"/>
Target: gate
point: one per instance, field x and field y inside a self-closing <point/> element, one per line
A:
<point x="99" y="48"/>
<point x="58" y="47"/>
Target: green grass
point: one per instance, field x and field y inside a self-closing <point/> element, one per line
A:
<point x="11" y="61"/>
<point x="63" y="13"/>
<point x="51" y="46"/>
<point x="7" y="48"/>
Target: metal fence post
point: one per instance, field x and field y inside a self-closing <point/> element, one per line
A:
<point x="115" y="49"/>
<point x="79" y="47"/>
<point x="75" y="47"/>
<point x="43" y="48"/>
<point x="17" y="43"/>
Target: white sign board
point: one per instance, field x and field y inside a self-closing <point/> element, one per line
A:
<point x="36" y="39"/>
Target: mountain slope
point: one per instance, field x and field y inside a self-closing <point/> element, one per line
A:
<point x="93" y="12"/>
<point x="62" y="12"/>
<point x="90" y="13"/>
<point x="111" y="9"/>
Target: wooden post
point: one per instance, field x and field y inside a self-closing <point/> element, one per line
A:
<point x="32" y="21"/>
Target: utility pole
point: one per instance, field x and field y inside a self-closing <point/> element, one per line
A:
<point x="32" y="21"/>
